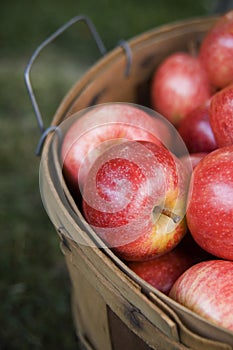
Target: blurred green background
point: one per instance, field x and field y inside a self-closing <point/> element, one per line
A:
<point x="34" y="285"/>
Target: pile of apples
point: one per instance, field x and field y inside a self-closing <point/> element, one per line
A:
<point x="173" y="226"/>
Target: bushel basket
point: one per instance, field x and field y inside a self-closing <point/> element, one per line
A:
<point x="112" y="307"/>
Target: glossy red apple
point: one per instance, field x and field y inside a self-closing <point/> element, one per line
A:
<point x="196" y="131"/>
<point x="101" y="126"/>
<point x="216" y="52"/>
<point x="179" y="85"/>
<point x="221" y="116"/>
<point x="163" y="271"/>
<point x="210" y="203"/>
<point x="206" y="289"/>
<point x="134" y="198"/>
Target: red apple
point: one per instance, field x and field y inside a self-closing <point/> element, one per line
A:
<point x="134" y="197"/>
<point x="196" y="131"/>
<point x="179" y="85"/>
<point x="163" y="271"/>
<point x="210" y="203"/>
<point x="221" y="116"/>
<point x="216" y="52"/>
<point x="206" y="289"/>
<point x="101" y="126"/>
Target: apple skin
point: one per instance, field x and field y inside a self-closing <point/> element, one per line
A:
<point x="179" y="85"/>
<point x="210" y="205"/>
<point x="100" y="127"/>
<point x="163" y="271"/>
<point x="206" y="289"/>
<point x="216" y="52"/>
<point x="196" y="131"/>
<point x="221" y="116"/>
<point x="127" y="195"/>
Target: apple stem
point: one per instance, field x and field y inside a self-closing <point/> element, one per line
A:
<point x="170" y="214"/>
<point x="175" y="218"/>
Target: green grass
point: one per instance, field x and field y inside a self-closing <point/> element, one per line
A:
<point x="34" y="285"/>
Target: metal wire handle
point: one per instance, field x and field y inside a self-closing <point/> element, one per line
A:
<point x="57" y="33"/>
